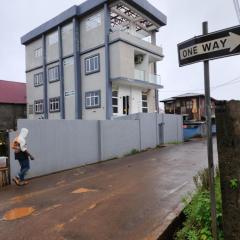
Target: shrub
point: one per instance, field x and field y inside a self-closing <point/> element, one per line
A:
<point x="198" y="212"/>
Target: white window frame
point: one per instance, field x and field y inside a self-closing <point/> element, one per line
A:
<point x="38" y="79"/>
<point x="113" y="105"/>
<point x="54" y="105"/>
<point x="38" y="106"/>
<point x="144" y="108"/>
<point x="92" y="64"/>
<point x="93" y="99"/>
<point x="189" y="104"/>
<point x="93" y="22"/>
<point x="38" y="52"/>
<point x="53" y="74"/>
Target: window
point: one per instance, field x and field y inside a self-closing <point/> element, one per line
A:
<point x="53" y="74"/>
<point x="38" y="79"/>
<point x="167" y="106"/>
<point x="93" y="22"/>
<point x="38" y="52"/>
<point x="38" y="106"/>
<point x="92" y="99"/>
<point x="189" y="104"/>
<point x="54" y="104"/>
<point x="144" y="103"/>
<point x="92" y="64"/>
<point x="115" y="101"/>
<point x="53" y="38"/>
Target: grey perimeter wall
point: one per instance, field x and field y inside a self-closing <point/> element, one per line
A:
<point x="64" y="144"/>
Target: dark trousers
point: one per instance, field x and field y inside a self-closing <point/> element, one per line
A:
<point x="25" y="166"/>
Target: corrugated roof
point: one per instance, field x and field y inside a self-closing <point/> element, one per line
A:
<point x="185" y="95"/>
<point x="12" y="92"/>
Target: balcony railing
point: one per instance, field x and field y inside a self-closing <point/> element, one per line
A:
<point x="150" y="78"/>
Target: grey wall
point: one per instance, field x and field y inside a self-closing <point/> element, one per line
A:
<point x="52" y="46"/>
<point x="58" y="145"/>
<point x="150" y="124"/>
<point x="63" y="144"/>
<point x="33" y="93"/>
<point x="31" y="60"/>
<point x="173" y="128"/>
<point x="94" y="82"/>
<point x="119" y="138"/>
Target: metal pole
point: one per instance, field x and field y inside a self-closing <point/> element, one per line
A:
<point x="209" y="140"/>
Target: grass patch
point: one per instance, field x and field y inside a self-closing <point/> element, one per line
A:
<point x="198" y="212"/>
<point x="174" y="142"/>
<point x="132" y="152"/>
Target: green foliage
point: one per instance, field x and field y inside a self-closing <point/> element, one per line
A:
<point x="234" y="184"/>
<point x="198" y="212"/>
<point x="174" y="143"/>
<point x="201" y="180"/>
<point x="133" y="152"/>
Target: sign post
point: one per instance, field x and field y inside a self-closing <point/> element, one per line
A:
<point x="223" y="43"/>
<point x="209" y="140"/>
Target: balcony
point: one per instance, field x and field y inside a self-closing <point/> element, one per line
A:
<point x="141" y="79"/>
<point x="150" y="78"/>
<point x="136" y="41"/>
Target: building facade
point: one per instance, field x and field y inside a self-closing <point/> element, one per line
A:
<point x="190" y="105"/>
<point x="12" y="104"/>
<point x="94" y="61"/>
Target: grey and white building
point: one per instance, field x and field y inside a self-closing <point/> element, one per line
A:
<point x="97" y="60"/>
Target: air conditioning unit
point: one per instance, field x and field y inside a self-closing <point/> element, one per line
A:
<point x="138" y="59"/>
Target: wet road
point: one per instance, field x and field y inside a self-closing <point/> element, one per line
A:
<point x="125" y="199"/>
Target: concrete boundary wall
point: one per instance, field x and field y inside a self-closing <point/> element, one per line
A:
<point x="64" y="144"/>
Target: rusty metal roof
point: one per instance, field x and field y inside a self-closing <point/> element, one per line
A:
<point x="12" y="92"/>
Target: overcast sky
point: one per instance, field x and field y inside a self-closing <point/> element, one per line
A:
<point x="185" y="18"/>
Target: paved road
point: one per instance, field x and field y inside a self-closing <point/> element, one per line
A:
<point x="125" y="199"/>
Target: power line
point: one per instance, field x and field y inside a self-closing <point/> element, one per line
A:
<point x="233" y="81"/>
<point x="237" y="9"/>
<point x="227" y="83"/>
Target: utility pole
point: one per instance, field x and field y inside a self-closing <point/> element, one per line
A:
<point x="209" y="140"/>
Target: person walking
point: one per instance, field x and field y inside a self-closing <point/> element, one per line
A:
<point x="22" y="154"/>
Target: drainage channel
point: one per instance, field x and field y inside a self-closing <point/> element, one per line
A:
<point x="173" y="227"/>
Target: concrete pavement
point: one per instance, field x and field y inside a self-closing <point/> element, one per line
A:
<point x="125" y="199"/>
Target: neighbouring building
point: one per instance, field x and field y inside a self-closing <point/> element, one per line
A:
<point x="190" y="105"/>
<point x="12" y="104"/>
<point x="97" y="60"/>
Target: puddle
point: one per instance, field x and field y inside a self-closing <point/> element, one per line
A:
<point x="61" y="182"/>
<point x="73" y="219"/>
<point x="18" y="213"/>
<point x="83" y="190"/>
<point x="92" y="206"/>
<point x="59" y="227"/>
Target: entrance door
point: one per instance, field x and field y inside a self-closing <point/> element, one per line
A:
<point x="125" y="105"/>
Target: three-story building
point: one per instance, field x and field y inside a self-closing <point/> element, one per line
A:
<point x="95" y="61"/>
